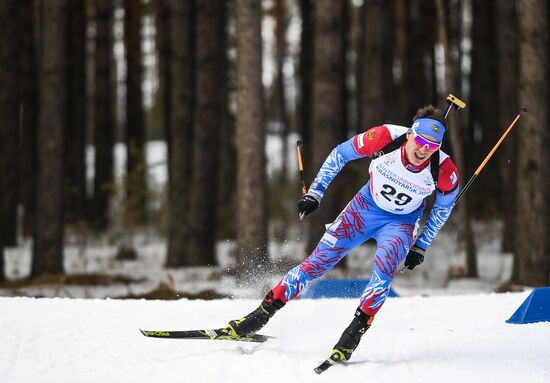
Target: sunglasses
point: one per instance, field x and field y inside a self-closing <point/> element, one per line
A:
<point x="421" y="141"/>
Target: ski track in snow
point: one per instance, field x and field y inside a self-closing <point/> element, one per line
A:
<point x="415" y="339"/>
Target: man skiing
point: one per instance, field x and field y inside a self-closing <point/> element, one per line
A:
<point x="408" y="166"/>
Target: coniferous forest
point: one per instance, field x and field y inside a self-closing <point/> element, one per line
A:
<point x="93" y="90"/>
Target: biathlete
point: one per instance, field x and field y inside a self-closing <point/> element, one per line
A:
<point x="408" y="166"/>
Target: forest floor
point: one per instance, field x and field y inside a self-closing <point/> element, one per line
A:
<point x="97" y="270"/>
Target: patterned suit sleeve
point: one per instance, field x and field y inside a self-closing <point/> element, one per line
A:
<point x="359" y="146"/>
<point x="444" y="203"/>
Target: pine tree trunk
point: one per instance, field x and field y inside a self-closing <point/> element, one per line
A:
<point x="531" y="262"/>
<point x="163" y="41"/>
<point x="456" y="142"/>
<point x="508" y="105"/>
<point x="388" y="50"/>
<point x="251" y="177"/>
<point x="28" y="96"/>
<point x="2" y="262"/>
<point x="487" y="191"/>
<point x="307" y="9"/>
<point x="104" y="114"/>
<point x="2" y="188"/>
<point x="48" y="240"/>
<point x="328" y="105"/>
<point x="9" y="118"/>
<point x="281" y="113"/>
<point x="420" y="55"/>
<point x="373" y="102"/>
<point x="75" y="134"/>
<point x="400" y="17"/>
<point x="227" y="162"/>
<point x="180" y="121"/>
<point x="209" y="117"/>
<point x="376" y="104"/>
<point x="345" y="42"/>
<point x="136" y="186"/>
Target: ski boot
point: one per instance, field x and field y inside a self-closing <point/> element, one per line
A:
<point x="351" y="337"/>
<point x="348" y="341"/>
<point x="253" y="322"/>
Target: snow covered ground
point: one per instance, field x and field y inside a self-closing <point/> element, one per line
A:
<point x="413" y="339"/>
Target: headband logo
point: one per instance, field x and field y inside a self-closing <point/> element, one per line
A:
<point x="435" y="128"/>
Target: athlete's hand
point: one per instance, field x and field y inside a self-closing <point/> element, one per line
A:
<point x="415" y="257"/>
<point x="307" y="205"/>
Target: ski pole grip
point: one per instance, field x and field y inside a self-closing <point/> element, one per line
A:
<point x="455" y="101"/>
<point x="301" y="167"/>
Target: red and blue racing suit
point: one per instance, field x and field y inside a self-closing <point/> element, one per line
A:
<point x="388" y="208"/>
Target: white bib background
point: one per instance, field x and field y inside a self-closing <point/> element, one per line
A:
<point x="396" y="189"/>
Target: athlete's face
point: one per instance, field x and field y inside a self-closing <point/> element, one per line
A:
<point x="417" y="154"/>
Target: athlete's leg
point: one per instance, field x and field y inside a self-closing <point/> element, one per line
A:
<point x="349" y="230"/>
<point x="346" y="232"/>
<point x="394" y="241"/>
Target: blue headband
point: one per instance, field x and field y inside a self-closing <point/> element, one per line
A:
<point x="430" y="127"/>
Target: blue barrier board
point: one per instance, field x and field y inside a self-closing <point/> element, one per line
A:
<point x="338" y="288"/>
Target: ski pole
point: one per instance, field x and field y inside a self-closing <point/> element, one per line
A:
<point x="301" y="168"/>
<point x="480" y="167"/>
<point x="455" y="102"/>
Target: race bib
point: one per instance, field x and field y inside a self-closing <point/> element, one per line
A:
<point x="396" y="189"/>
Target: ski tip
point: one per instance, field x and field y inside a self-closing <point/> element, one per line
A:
<point x="256" y="338"/>
<point x="156" y="333"/>
<point x="336" y="358"/>
<point x="264" y="338"/>
<point x="324" y="366"/>
<point x="320" y="369"/>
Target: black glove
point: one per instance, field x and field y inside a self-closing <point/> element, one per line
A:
<point x="415" y="257"/>
<point x="307" y="205"/>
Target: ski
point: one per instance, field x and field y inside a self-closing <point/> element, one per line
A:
<point x="214" y="334"/>
<point x="324" y="366"/>
<point x="335" y="358"/>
